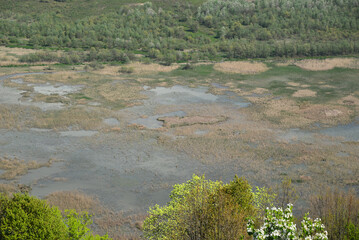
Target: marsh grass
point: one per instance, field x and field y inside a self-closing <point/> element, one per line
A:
<point x="118" y="224"/>
<point x="14" y="167"/>
<point x="76" y="117"/>
<point x="254" y="149"/>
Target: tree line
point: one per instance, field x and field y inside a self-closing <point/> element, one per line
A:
<point x="215" y="30"/>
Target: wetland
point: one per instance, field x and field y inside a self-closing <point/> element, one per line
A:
<point x="123" y="140"/>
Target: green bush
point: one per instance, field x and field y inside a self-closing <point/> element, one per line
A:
<point x="202" y="209"/>
<point x="26" y="217"/>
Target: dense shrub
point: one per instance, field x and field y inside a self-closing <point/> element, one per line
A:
<point x="339" y="212"/>
<point x="26" y="217"/>
<point x="202" y="209"/>
<point x="231" y="29"/>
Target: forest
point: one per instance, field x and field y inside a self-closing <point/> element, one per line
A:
<point x="181" y="31"/>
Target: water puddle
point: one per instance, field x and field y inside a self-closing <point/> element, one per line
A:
<point x="349" y="132"/>
<point x="297" y="135"/>
<point x="216" y="85"/>
<point x="201" y="132"/>
<point x="151" y="122"/>
<point x="112" y="122"/>
<point x="48" y="89"/>
<point x="18" y="81"/>
<point x="21" y="74"/>
<point x="13" y="96"/>
<point x="342" y="154"/>
<point x="182" y="95"/>
<point x="80" y="133"/>
<point x="94" y="104"/>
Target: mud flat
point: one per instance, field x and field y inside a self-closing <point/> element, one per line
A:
<point x="126" y="139"/>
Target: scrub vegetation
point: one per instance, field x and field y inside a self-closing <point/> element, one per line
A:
<point x="171" y="31"/>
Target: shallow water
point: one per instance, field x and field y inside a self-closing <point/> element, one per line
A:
<point x="349" y="132"/>
<point x="152" y="122"/>
<point x="112" y="122"/>
<point x="48" y="89"/>
<point x="182" y="95"/>
<point x="13" y="96"/>
<point x="123" y="173"/>
<point x="177" y="96"/>
<point x="129" y="169"/>
<point x="80" y="133"/>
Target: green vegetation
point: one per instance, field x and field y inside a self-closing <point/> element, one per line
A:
<point x="26" y="217"/>
<point x="204" y="209"/>
<point x="172" y="31"/>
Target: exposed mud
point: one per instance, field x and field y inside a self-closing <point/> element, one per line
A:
<point x="130" y="157"/>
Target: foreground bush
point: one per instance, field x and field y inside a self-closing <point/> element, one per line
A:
<point x="26" y="217"/>
<point x="279" y="224"/>
<point x="202" y="209"/>
<point x="339" y="212"/>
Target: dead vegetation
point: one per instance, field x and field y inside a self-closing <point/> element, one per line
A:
<point x="74" y="200"/>
<point x="10" y="56"/>
<point x="141" y="68"/>
<point x="118" y="224"/>
<point x="14" y="167"/>
<point x="241" y="67"/>
<point x="327" y="64"/>
<point x="191" y="120"/>
<point x="287" y="113"/>
<point x="304" y="93"/>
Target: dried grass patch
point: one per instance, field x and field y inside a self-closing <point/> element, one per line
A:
<point x="141" y="68"/>
<point x="326" y="114"/>
<point x="304" y="93"/>
<point x="6" y="188"/>
<point x="15" y="167"/>
<point x="287" y="113"/>
<point x="74" y="200"/>
<point x="10" y="56"/>
<point x="192" y="120"/>
<point x="327" y="64"/>
<point x="56" y="77"/>
<point x="114" y="92"/>
<point x="105" y="219"/>
<point x="78" y="118"/>
<point x="259" y="91"/>
<point x="241" y="67"/>
<point x="108" y="70"/>
<point x="349" y="100"/>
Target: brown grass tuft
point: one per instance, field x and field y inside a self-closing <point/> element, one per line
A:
<point x="241" y="67"/>
<point x="186" y="121"/>
<point x="327" y="64"/>
<point x="140" y="68"/>
<point x="304" y="93"/>
<point x="15" y="167"/>
<point x="74" y="200"/>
